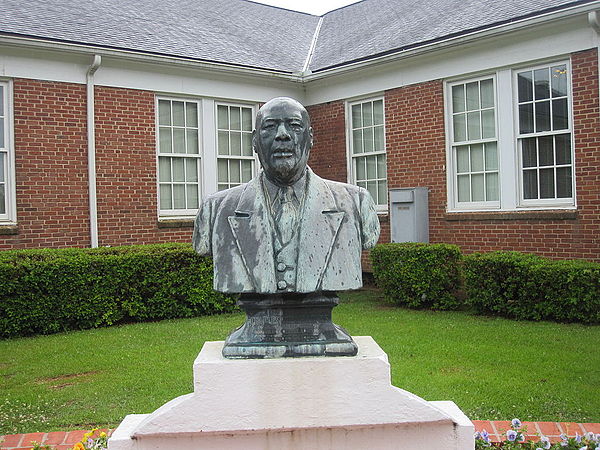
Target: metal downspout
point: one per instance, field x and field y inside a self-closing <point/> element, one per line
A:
<point x="91" y="135"/>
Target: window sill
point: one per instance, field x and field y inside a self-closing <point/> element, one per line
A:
<point x="8" y="229"/>
<point x="513" y="215"/>
<point x="176" y="223"/>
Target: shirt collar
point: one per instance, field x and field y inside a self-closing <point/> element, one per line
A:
<point x="274" y="189"/>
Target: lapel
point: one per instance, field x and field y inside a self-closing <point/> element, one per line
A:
<point x="252" y="232"/>
<point x="319" y="225"/>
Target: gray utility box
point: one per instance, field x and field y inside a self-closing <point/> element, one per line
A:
<point x="409" y="214"/>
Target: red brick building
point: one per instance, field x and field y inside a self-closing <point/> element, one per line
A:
<point x="112" y="132"/>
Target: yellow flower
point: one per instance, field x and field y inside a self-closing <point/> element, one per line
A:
<point x="103" y="434"/>
<point x="78" y="446"/>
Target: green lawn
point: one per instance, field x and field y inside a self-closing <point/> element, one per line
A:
<point x="492" y="368"/>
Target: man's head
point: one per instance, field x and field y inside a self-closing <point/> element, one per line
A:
<point x="283" y="139"/>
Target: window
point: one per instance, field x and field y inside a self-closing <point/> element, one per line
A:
<point x="178" y="157"/>
<point x="7" y="200"/>
<point x="544" y="134"/>
<point x="367" y="149"/>
<point x="510" y="153"/>
<point x="474" y="143"/>
<point x="235" y="159"/>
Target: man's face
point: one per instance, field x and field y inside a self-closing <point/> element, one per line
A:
<point x="283" y="139"/>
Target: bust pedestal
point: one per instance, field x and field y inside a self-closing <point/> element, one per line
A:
<point x="296" y="403"/>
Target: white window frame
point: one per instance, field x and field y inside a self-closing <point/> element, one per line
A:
<point x="452" y="163"/>
<point x="175" y="213"/>
<point x="10" y="215"/>
<point x="508" y="147"/>
<point x="350" y="156"/>
<point x="252" y="157"/>
<point x="550" y="202"/>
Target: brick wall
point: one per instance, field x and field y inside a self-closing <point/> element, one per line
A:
<point x="51" y="165"/>
<point x="328" y="156"/>
<point x="415" y="139"/>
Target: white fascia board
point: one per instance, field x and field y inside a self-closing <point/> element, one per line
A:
<point x="545" y="41"/>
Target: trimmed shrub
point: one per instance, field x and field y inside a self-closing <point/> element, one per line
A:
<point x="418" y="275"/>
<point x="523" y="286"/>
<point x="51" y="290"/>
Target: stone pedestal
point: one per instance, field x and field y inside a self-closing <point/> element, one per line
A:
<point x="296" y="403"/>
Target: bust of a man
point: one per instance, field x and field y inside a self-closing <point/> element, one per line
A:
<point x="287" y="230"/>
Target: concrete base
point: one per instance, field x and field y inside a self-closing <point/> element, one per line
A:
<point x="298" y="403"/>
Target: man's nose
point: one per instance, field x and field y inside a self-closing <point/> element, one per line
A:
<point x="282" y="133"/>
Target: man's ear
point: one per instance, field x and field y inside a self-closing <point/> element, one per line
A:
<point x="310" y="133"/>
<point x="254" y="143"/>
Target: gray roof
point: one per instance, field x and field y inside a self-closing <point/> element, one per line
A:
<point x="244" y="33"/>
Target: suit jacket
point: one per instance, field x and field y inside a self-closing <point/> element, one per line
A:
<point x="336" y="223"/>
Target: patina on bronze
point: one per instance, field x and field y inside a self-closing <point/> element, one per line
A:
<point x="286" y="241"/>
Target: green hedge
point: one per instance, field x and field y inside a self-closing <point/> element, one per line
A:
<point x="418" y="275"/>
<point x="522" y="286"/>
<point x="51" y="290"/>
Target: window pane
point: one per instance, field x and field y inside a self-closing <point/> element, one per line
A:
<point x="462" y="159"/>
<point x="246" y="119"/>
<point x="542" y="116"/>
<point x="530" y="190"/>
<point x="178" y="140"/>
<point x="164" y="112"/>
<point x="192" y="196"/>
<point x="361" y="168"/>
<point x="178" y="114"/>
<point x="192" y="141"/>
<point x="381" y="168"/>
<point x="379" y="147"/>
<point x="235" y="119"/>
<point x="488" y="123"/>
<point x="491" y="156"/>
<point x="560" y="114"/>
<point x="491" y="187"/>
<point x="378" y="112"/>
<point x="362" y="184"/>
<point x="487" y="93"/>
<point x="223" y="145"/>
<point x="525" y="86"/>
<point x="165" y="196"/>
<point x="477" y="158"/>
<point x="235" y="175"/>
<point x="246" y="171"/>
<point x="2" y="200"/>
<point x="164" y="169"/>
<point x="545" y="151"/>
<point x="460" y="128"/>
<point x="464" y="188"/>
<point x="526" y="118"/>
<point x="2" y="101"/>
<point x="562" y="144"/>
<point x="559" y="80"/>
<point x="473" y="126"/>
<point x="546" y="183"/>
<point x="477" y="188"/>
<point x="2" y="167"/>
<point x="191" y="169"/>
<point x="164" y="137"/>
<point x="222" y="117"/>
<point x="458" y="98"/>
<point x="356" y="116"/>
<point x="222" y="172"/>
<point x="246" y="144"/>
<point x="371" y="167"/>
<point x="368" y="139"/>
<point x="178" y="169"/>
<point x="222" y="187"/>
<point x="542" y="83"/>
<point x="367" y="113"/>
<point x="357" y="141"/>
<point x="191" y="114"/>
<point x="382" y="192"/>
<point x="529" y="152"/>
<point x="372" y="188"/>
<point x="236" y="143"/>
<point x="179" y="196"/>
<point x="563" y="182"/>
<point x="472" y="96"/>
<point x="2" y="132"/>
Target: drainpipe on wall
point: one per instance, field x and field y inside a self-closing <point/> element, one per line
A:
<point x="92" y="151"/>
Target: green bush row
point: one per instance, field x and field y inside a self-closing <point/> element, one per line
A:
<point x="509" y="284"/>
<point x="51" y="290"/>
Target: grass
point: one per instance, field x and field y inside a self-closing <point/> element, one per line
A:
<point x="492" y="368"/>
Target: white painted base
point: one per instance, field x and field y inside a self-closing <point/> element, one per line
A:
<point x="296" y="403"/>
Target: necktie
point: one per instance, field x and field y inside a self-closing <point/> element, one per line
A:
<point x="285" y="218"/>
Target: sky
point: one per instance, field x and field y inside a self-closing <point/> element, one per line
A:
<point x="316" y="7"/>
